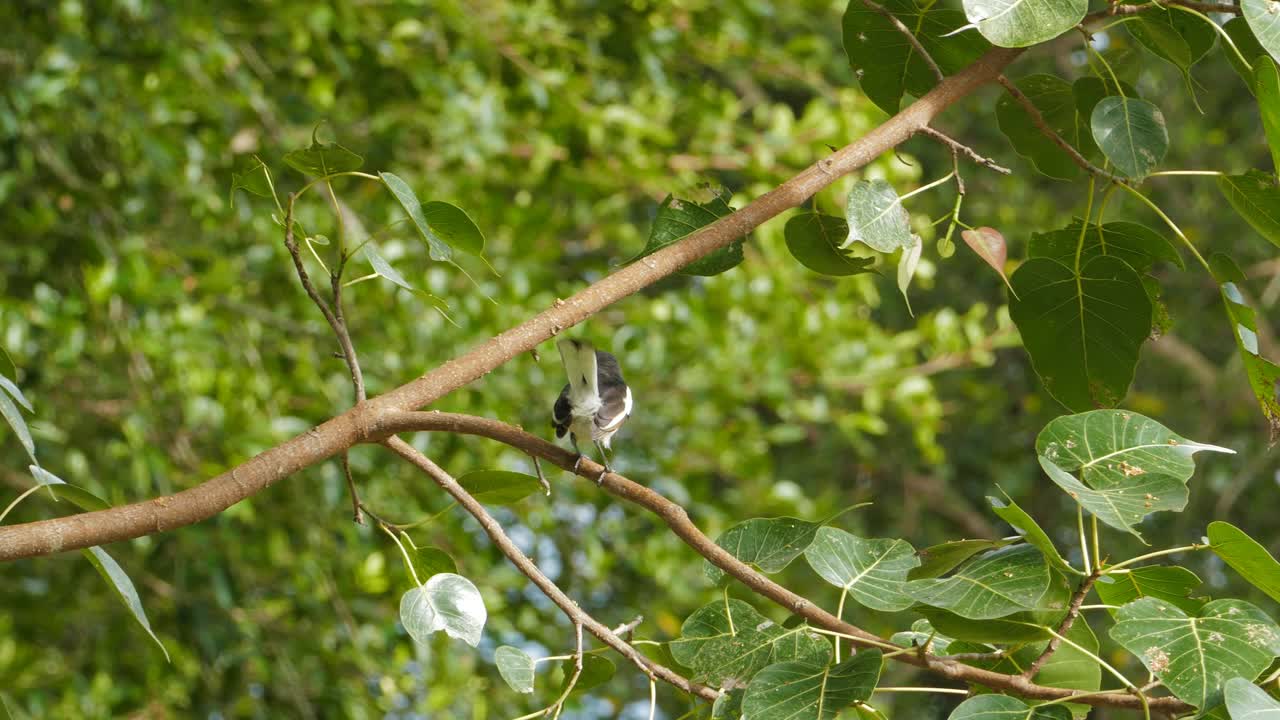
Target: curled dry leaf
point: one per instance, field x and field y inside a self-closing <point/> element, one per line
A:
<point x="991" y="247"/>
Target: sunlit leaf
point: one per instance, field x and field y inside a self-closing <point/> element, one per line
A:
<point x="119" y="581"/>
<point x="1246" y="701"/>
<point x="61" y="490"/>
<point x="499" y="487"/>
<point x="1194" y="655"/>
<point x="815" y="239"/>
<point x="251" y="176"/>
<point x="1246" y="556"/>
<point x="1003" y="707"/>
<point x="14" y="417"/>
<point x="809" y="691"/>
<point x="1053" y="97"/>
<point x="1138" y="245"/>
<point x="433" y="561"/>
<point x="907" y="267"/>
<point x="940" y="559"/>
<point x="1256" y="197"/>
<point x="727" y="641"/>
<point x="1022" y="23"/>
<point x="452" y="225"/>
<point x="768" y="543"/>
<point x="998" y="583"/>
<point x="1264" y="375"/>
<point x="437" y="248"/>
<point x="321" y="159"/>
<point x="990" y="245"/>
<point x="1026" y="525"/>
<point x="677" y="218"/>
<point x="1265" y="23"/>
<point x="872" y="570"/>
<point x="1169" y="583"/>
<point x="1131" y="133"/>
<point x="876" y="217"/>
<point x="1266" y="85"/>
<point x="1122" y="506"/>
<point x="1083" y="333"/>
<point x="516" y="667"/>
<point x="10" y="387"/>
<point x="445" y="602"/>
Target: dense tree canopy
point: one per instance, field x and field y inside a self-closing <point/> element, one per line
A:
<point x="826" y="410"/>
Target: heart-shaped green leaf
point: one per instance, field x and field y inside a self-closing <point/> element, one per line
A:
<point x="938" y="560"/>
<point x="815" y="240"/>
<point x="1246" y="556"/>
<point x="1022" y="23"/>
<point x="1009" y="511"/>
<point x="321" y="160"/>
<point x="1179" y="37"/>
<point x="1265" y="23"/>
<point x="1054" y="98"/>
<point x="873" y="571"/>
<point x="1169" y="583"/>
<point x="452" y="224"/>
<point x="728" y="641"/>
<point x="1083" y="332"/>
<point x="445" y="602"/>
<point x="499" y="487"/>
<point x="768" y="543"/>
<point x="677" y="218"/>
<point x="810" y="691"/>
<point x="596" y="671"/>
<point x="1131" y="133"/>
<point x="1193" y="655"/>
<point x="1122" y="506"/>
<point x="251" y="176"/>
<point x="1138" y="245"/>
<point x="1246" y="701"/>
<point x="876" y="217"/>
<point x="437" y="248"/>
<point x="1256" y="198"/>
<point x="1003" y="707"/>
<point x="999" y="583"/>
<point x="516" y="667"/>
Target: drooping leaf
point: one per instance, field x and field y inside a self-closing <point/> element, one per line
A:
<point x="990" y="245"/>
<point x="14" y="417"/>
<point x="729" y="641"/>
<point x="10" y="387"/>
<point x="907" y="267"/>
<point x="445" y="602"/>
<point x="1266" y="85"/>
<point x="815" y="240"/>
<point x="452" y="224"/>
<point x="62" y="490"/>
<point x="1009" y="511"/>
<point x="1112" y="447"/>
<point x="1264" y="375"/>
<point x="938" y="560"/>
<point x="1265" y="24"/>
<point x="811" y="691"/>
<point x="1246" y="556"/>
<point x="993" y="585"/>
<point x="437" y="248"/>
<point x="872" y="570"/>
<point x="119" y="581"/>
<point x="921" y="632"/>
<point x="1053" y="97"/>
<point x="1256" y="197"/>
<point x="1131" y="133"/>
<point x="876" y="217"/>
<point x="516" y="667"/>
<point x="321" y="159"/>
<point x="1138" y="245"/>
<point x="1083" y="332"/>
<point x="1237" y="28"/>
<point x="499" y="487"/>
<point x="1003" y="707"/>
<point x="1022" y="23"/>
<point x="1170" y="583"/>
<point x="433" y="561"/>
<point x="386" y="270"/>
<point x="887" y="63"/>
<point x="1178" y="37"/>
<point x="596" y="671"/>
<point x="677" y="218"/>
<point x="1194" y="655"/>
<point x="1246" y="701"/>
<point x="768" y="543"/>
<point x="251" y="176"/>
<point x="1018" y="628"/>
<point x="1122" y="506"/>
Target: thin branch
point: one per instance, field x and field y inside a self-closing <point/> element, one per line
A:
<point x="558" y="705"/>
<point x="677" y="520"/>
<point x="357" y="507"/>
<point x="910" y="36"/>
<point x="965" y="150"/>
<point x="1038" y="120"/>
<point x="535" y="575"/>
<point x="1073" y="612"/>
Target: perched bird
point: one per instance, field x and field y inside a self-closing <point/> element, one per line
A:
<point x="596" y="401"/>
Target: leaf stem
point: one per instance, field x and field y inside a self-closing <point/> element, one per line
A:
<point x="930" y="186"/>
<point x="412" y="571"/>
<point x="1084" y="543"/>
<point x="327" y="178"/>
<point x="1151" y="555"/>
<point x="1097" y="551"/>
<point x="1091" y="655"/>
<point x="1170" y="173"/>
<point x="19" y="499"/>
<point x="1218" y="28"/>
<point x="844" y="593"/>
<point x="1172" y="225"/>
<point x="946" y="691"/>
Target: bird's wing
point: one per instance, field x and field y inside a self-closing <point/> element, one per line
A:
<point x="561" y="415"/>
<point x="579" y="359"/>
<point x="615" y="396"/>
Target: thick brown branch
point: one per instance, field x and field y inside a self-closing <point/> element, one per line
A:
<point x="677" y="520"/>
<point x="1073" y="612"/>
<point x="522" y="562"/>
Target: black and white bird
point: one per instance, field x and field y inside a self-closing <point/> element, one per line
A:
<point x="596" y="401"/>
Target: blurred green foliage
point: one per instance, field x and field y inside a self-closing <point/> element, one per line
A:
<point x="157" y="326"/>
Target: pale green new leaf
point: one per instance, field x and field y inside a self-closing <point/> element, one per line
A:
<point x="10" y="387"/>
<point x="1246" y="701"/>
<point x="119" y="581"/>
<point x="516" y="667"/>
<point x="768" y="543"/>
<point x="1265" y="23"/>
<point x="1194" y="655"/>
<point x="437" y="248"/>
<point x="1022" y="23"/>
<point x="873" y="571"/>
<point x="876" y="217"/>
<point x="445" y="602"/>
<point x="1122" y="506"/>
<point x="809" y="691"/>
<point x="999" y="583"/>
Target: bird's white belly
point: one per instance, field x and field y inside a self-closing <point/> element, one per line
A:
<point x="584" y="427"/>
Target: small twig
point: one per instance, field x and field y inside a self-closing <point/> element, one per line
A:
<point x="1073" y="612"/>
<point x="357" y="507"/>
<point x="537" y="466"/>
<point x="957" y="146"/>
<point x="558" y="705"/>
<point x="1038" y="120"/>
<point x="627" y="628"/>
<point x="911" y="38"/>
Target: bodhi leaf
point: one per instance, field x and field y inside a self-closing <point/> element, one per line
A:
<point x="922" y="632"/>
<point x="1131" y="133"/>
<point x="1112" y="447"/>
<point x="437" y="248"/>
<point x="815" y="240"/>
<point x="1069" y="667"/>
<point x="1169" y="583"/>
<point x="445" y="602"/>
<point x="1178" y="37"/>
<point x="996" y="584"/>
<point x="1122" y="506"/>
<point x="677" y="218"/>
<point x="1020" y="627"/>
<point x="729" y="641"/>
<point x="321" y="160"/>
<point x="516" y="667"/>
<point x="768" y="543"/>
<point x="1256" y="198"/>
<point x="938" y="560"/>
<point x="1030" y="530"/>
<point x="876" y="217"/>
<point x="809" y="691"/>
<point x="1138" y="245"/>
<point x="1246" y="556"/>
<point x="1053" y="97"/>
<point x="1246" y="701"/>
<point x="119" y="581"/>
<point x="729" y="705"/>
<point x="873" y="571"/>
<point x="1022" y="23"/>
<point x="1264" y="21"/>
<point x="253" y="177"/>
<point x="1266" y="85"/>
<point x="14" y="417"/>
<point x="887" y="63"/>
<point x="452" y="224"/>
<point x="499" y="487"/>
<point x="1003" y="707"/>
<point x="907" y="267"/>
<point x="1082" y="332"/>
<point x="433" y="561"/>
<point x="1194" y="655"/>
<point x="989" y="245"/>
<point x="1237" y="28"/>
<point x="596" y="671"/>
<point x="1264" y="375"/>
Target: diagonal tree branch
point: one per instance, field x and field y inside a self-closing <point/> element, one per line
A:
<point x="1073" y="612"/>
<point x="522" y="562"/>
<point x="1043" y="126"/>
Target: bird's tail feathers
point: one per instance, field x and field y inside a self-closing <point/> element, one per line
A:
<point x="579" y="358"/>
